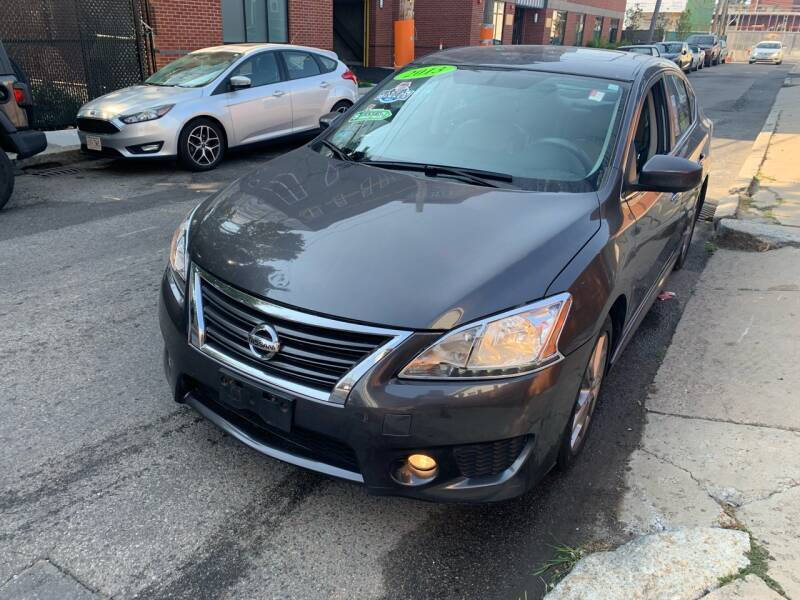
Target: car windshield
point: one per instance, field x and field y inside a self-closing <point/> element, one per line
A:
<point x="547" y="131"/>
<point x="672" y="48"/>
<point x="638" y="50"/>
<point x="705" y="40"/>
<point x="769" y="45"/>
<point x="194" y="70"/>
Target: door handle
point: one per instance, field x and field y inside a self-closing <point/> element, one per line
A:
<point x="324" y="84"/>
<point x="675" y="198"/>
<point x="278" y="93"/>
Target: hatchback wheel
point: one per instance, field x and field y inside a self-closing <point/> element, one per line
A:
<point x="6" y="178"/>
<point x="341" y="106"/>
<point x="201" y="145"/>
<point x="582" y="412"/>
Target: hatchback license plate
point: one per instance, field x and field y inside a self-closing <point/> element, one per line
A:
<point x="94" y="143"/>
<point x="276" y="411"/>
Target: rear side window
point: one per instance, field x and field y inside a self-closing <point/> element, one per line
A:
<point x="680" y="105"/>
<point x="328" y="64"/>
<point x="300" y="64"/>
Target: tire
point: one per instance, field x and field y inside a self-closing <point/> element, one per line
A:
<point x="575" y="433"/>
<point x="341" y="106"/>
<point x="6" y="178"/>
<point x="686" y="241"/>
<point x="201" y="145"/>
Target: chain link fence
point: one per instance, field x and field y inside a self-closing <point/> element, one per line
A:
<point x="75" y="50"/>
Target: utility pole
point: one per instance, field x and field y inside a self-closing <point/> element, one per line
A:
<point x="723" y="23"/>
<point x="487" y="29"/>
<point x="715" y="17"/>
<point x="653" y="22"/>
<point x="404" y="34"/>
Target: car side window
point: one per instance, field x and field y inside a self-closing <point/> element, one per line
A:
<point x="328" y="64"/>
<point x="300" y="64"/>
<point x="651" y="135"/>
<point x="261" y="69"/>
<point x="680" y="105"/>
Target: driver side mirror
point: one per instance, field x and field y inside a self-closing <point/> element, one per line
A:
<point x="684" y="51"/>
<point x="240" y="82"/>
<point x="663" y="173"/>
<point x="329" y="119"/>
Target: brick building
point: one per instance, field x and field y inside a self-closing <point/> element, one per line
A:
<point x="362" y="31"/>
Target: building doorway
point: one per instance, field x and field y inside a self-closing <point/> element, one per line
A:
<point x="517" y="31"/>
<point x="349" y="17"/>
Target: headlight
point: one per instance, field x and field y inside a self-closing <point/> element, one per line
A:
<point x="178" y="259"/>
<point x="149" y="114"/>
<point x="509" y="344"/>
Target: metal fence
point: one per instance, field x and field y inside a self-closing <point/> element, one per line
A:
<point x="74" y="50"/>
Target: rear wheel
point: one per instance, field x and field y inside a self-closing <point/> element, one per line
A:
<point x="577" y="428"/>
<point x="201" y="145"/>
<point x="6" y="178"/>
<point x="341" y="106"/>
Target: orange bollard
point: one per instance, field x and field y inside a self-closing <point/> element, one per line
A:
<point x="403" y="42"/>
<point x="487" y="35"/>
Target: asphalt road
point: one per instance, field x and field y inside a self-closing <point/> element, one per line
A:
<point x="108" y="488"/>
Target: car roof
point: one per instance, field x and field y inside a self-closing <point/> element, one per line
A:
<point x="253" y="47"/>
<point x="608" y="64"/>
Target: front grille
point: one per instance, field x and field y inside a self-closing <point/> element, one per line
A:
<point x="89" y="125"/>
<point x="299" y="441"/>
<point x="310" y="355"/>
<point x="477" y="460"/>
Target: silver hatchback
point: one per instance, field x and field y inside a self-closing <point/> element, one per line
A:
<point x="217" y="98"/>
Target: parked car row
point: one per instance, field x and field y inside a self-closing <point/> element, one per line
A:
<point x="698" y="51"/>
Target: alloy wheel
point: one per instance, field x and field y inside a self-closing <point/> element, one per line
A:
<point x="590" y="389"/>
<point x="204" y="145"/>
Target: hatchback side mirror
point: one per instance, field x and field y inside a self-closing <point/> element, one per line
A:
<point x="664" y="173"/>
<point x="240" y="82"/>
<point x="329" y="119"/>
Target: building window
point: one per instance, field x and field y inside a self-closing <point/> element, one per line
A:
<point x="558" y="27"/>
<point x="580" y="23"/>
<point x="598" y="28"/>
<point x="254" y="21"/>
<point x="613" y="31"/>
<point x="497" y="20"/>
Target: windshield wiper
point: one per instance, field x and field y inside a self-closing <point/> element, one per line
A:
<point x="474" y="176"/>
<point x="340" y="153"/>
<point x="159" y="84"/>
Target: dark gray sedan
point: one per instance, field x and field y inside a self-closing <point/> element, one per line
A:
<point x="427" y="297"/>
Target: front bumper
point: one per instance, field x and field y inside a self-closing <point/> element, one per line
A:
<point x="123" y="142"/>
<point x="766" y="59"/>
<point x="514" y="426"/>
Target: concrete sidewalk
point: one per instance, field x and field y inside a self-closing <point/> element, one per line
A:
<point x="721" y="446"/>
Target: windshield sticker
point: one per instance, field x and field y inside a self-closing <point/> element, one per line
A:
<point x="613" y="87"/>
<point x="400" y="93"/>
<point x="422" y="72"/>
<point x="372" y="114"/>
<point x="596" y="96"/>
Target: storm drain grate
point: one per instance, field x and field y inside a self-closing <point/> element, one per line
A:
<point x="55" y="171"/>
<point x="707" y="211"/>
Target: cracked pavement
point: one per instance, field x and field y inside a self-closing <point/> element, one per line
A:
<point x="721" y="444"/>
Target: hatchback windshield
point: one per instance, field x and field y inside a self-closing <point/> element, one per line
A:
<point x="672" y="48"/>
<point x="194" y="70"/>
<point x="704" y="40"/>
<point x="547" y="131"/>
<point x="769" y="45"/>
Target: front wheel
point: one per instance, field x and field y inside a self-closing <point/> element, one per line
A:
<point x="577" y="428"/>
<point x="6" y="178"/>
<point x="686" y="242"/>
<point x="341" y="106"/>
<point x="201" y="145"/>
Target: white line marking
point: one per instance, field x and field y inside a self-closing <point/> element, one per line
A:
<point x="122" y="235"/>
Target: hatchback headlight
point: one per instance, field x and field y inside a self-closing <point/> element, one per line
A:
<point x="509" y="344"/>
<point x="148" y="114"/>
<point x="178" y="257"/>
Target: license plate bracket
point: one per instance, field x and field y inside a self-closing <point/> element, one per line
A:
<point x="275" y="409"/>
<point x="93" y="142"/>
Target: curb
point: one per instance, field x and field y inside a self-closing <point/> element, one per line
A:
<point x="752" y="235"/>
<point x="65" y="156"/>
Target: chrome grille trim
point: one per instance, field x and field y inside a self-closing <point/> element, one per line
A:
<point x="341" y="391"/>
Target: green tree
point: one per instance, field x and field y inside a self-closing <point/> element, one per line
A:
<point x="684" y="23"/>
<point x="634" y="16"/>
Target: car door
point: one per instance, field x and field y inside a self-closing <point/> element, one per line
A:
<point x="308" y="87"/>
<point x="647" y="235"/>
<point x="264" y="110"/>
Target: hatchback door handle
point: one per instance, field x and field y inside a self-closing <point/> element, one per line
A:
<point x="278" y="93"/>
<point x="324" y="84"/>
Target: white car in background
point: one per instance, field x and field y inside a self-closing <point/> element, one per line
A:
<point x="767" y="51"/>
<point x="217" y="98"/>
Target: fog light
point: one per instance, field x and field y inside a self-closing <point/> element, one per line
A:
<point x="417" y="469"/>
<point x="422" y="462"/>
<point x="151" y="147"/>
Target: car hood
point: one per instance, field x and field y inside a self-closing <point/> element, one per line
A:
<point x="386" y="247"/>
<point x="134" y="98"/>
<point x="669" y="55"/>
